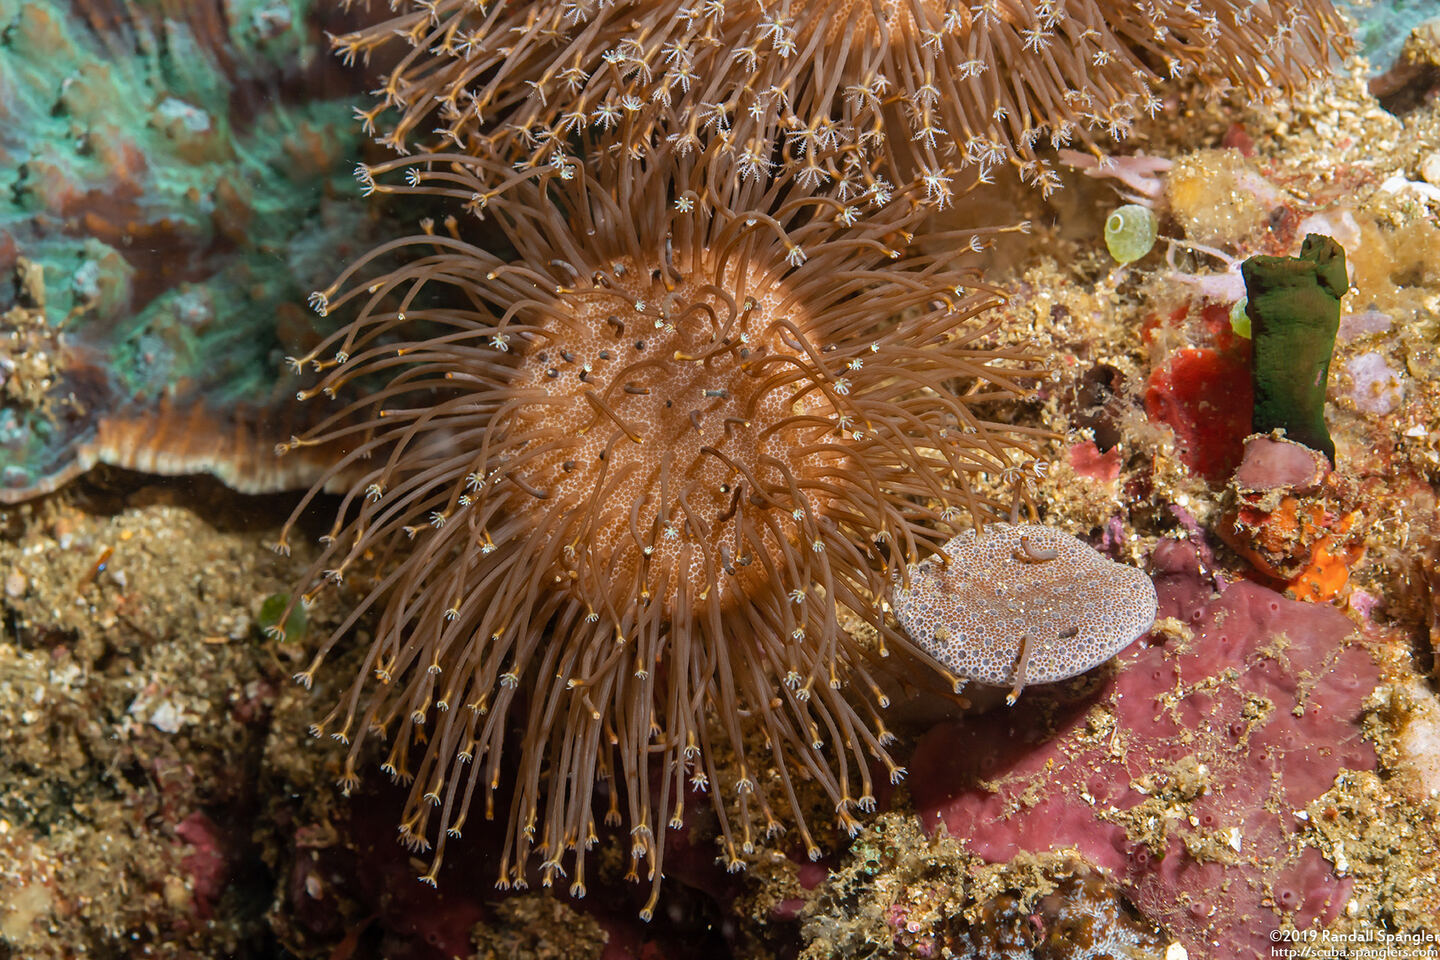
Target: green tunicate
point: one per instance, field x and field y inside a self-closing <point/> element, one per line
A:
<point x="1294" y="308"/>
<point x="1130" y="232"/>
<point x="273" y="608"/>
<point x="1239" y="319"/>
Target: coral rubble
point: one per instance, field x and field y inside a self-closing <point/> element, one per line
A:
<point x="900" y="893"/>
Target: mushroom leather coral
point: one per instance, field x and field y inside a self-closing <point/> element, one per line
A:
<point x="618" y="482"/>
<point x="170" y="184"/>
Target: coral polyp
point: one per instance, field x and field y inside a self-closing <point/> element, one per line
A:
<point x="621" y="480"/>
<point x="834" y="96"/>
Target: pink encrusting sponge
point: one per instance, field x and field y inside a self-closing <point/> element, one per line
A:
<point x="1193" y="775"/>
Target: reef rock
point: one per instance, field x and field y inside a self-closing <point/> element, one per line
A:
<point x="1188" y="773"/>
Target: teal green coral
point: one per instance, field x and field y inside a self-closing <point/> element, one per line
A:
<point x="1294" y="308"/>
<point x="180" y="195"/>
<point x="1383" y="25"/>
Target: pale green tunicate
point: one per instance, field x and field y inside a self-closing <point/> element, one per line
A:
<point x="1130" y="232"/>
<point x="1239" y="319"/>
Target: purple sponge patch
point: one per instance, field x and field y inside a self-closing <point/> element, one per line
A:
<point x="1186" y="774"/>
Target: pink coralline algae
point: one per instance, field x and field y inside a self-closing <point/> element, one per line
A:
<point x="206" y="862"/>
<point x="1186" y="772"/>
<point x="1087" y="460"/>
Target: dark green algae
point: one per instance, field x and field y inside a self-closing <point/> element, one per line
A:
<point x="1294" y="308"/>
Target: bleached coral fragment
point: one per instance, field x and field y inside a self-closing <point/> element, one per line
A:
<point x="1022" y="604"/>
